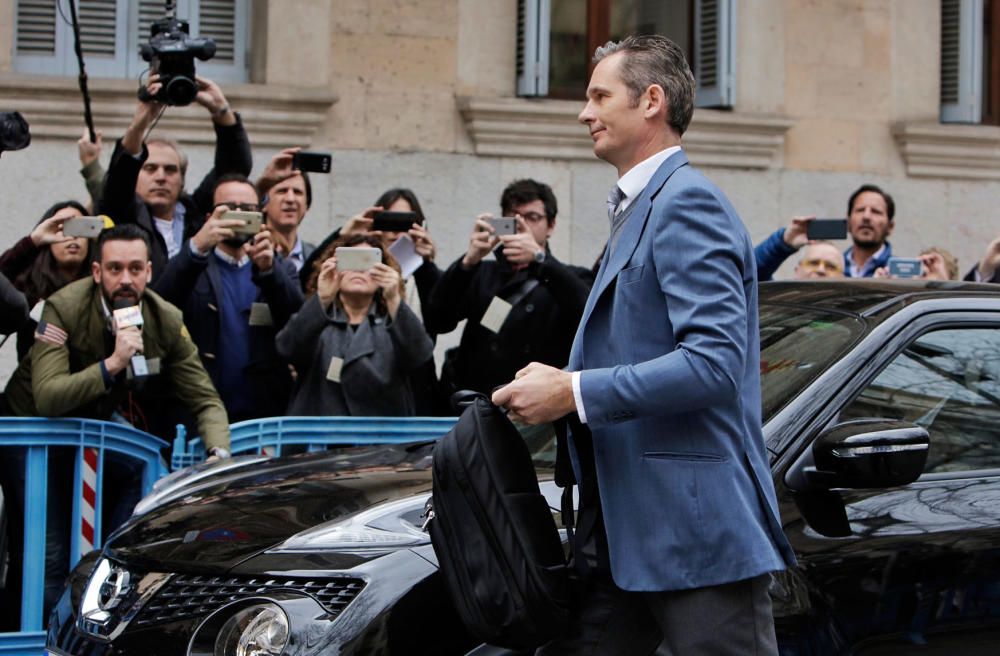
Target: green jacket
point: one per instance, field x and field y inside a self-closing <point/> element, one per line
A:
<point x="66" y="380"/>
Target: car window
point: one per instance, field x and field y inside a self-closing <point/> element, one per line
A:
<point x="797" y="345"/>
<point x="947" y="381"/>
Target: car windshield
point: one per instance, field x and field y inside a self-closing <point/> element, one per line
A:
<point x="796" y="345"/>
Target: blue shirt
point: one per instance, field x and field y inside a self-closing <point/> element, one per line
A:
<point x="236" y="297"/>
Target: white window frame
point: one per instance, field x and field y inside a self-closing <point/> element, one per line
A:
<point x="968" y="107"/>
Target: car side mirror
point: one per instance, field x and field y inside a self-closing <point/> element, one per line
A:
<point x="862" y="453"/>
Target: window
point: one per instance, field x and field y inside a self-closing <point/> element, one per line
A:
<point x="557" y="38"/>
<point x="112" y="30"/>
<point x="947" y="381"/>
<point x="970" y="61"/>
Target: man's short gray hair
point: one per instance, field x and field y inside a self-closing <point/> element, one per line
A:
<point x="655" y="59"/>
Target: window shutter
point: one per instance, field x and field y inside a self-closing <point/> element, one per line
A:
<point x="714" y="41"/>
<point x="97" y="20"/>
<point x="533" y="18"/>
<point x="36" y="27"/>
<point x="961" y="61"/>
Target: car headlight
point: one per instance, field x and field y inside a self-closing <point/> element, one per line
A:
<point x="391" y="525"/>
<point x="258" y="630"/>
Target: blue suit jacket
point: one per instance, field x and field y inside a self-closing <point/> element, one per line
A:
<point x="669" y="352"/>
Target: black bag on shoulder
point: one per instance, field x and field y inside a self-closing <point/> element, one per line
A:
<point x="494" y="535"/>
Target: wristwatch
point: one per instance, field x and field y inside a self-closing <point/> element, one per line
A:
<point x="540" y="255"/>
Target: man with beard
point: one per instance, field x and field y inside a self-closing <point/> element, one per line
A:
<point x="870" y="213"/>
<point x="81" y="362"/>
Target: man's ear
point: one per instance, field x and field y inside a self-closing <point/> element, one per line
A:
<point x="889" y="227"/>
<point x="552" y="227"/>
<point x="656" y="101"/>
<point x="149" y="271"/>
<point x="95" y="270"/>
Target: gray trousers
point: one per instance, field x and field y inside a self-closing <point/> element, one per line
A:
<point x="734" y="618"/>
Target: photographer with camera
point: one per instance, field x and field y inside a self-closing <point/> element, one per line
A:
<point x="236" y="293"/>
<point x="145" y="180"/>
<point x="521" y="307"/>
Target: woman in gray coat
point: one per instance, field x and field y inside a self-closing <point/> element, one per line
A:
<point x="355" y="340"/>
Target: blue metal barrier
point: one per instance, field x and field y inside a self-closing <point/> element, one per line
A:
<point x="316" y="433"/>
<point x="92" y="440"/>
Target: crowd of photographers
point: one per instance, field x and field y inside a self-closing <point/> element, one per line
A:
<point x="207" y="308"/>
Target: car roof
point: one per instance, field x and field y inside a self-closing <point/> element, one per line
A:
<point x="869" y="297"/>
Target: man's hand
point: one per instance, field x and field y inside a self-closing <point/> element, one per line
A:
<point x="49" y="232"/>
<point x="146" y="112"/>
<point x="89" y="151"/>
<point x="538" y="394"/>
<point x="387" y="279"/>
<point x="521" y="247"/>
<point x="128" y="342"/>
<point x="328" y="282"/>
<point x="214" y="230"/>
<point x="360" y="224"/>
<point x="210" y="97"/>
<point x="422" y="242"/>
<point x="795" y="231"/>
<point x="278" y="170"/>
<point x="261" y="251"/>
<point x="933" y="267"/>
<point x="481" y="243"/>
<point x="991" y="260"/>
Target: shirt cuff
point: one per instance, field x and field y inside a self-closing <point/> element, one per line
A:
<point x="578" y="397"/>
<point x="195" y="251"/>
<point x="108" y="379"/>
<point x="978" y="276"/>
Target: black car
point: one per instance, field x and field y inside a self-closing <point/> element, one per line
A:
<point x="882" y="416"/>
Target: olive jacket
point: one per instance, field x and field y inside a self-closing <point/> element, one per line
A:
<point x="58" y="380"/>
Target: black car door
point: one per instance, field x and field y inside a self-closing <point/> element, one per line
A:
<point x="920" y="570"/>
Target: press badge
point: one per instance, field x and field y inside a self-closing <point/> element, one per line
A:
<point x="333" y="371"/>
<point x="496" y="314"/>
<point x="260" y="315"/>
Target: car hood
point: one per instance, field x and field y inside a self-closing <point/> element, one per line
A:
<point x="217" y="521"/>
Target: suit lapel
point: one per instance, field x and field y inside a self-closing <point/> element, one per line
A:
<point x="628" y="240"/>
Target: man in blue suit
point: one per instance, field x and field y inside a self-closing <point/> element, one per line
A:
<point x="664" y="372"/>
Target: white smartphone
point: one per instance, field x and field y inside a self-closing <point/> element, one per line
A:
<point x="251" y="221"/>
<point x="83" y="226"/>
<point x="357" y="258"/>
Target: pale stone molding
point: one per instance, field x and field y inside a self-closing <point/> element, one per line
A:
<point x="521" y="127"/>
<point x="275" y="116"/>
<point x="948" y="150"/>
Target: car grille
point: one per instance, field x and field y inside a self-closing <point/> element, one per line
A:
<point x="187" y="596"/>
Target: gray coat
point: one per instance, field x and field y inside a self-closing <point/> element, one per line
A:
<point x="377" y="357"/>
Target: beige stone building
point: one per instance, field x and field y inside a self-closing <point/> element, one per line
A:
<point x="800" y="102"/>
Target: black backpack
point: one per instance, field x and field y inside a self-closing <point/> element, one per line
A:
<point x="494" y="535"/>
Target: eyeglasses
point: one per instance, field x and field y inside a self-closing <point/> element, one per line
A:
<point x="242" y="207"/>
<point x="533" y="217"/>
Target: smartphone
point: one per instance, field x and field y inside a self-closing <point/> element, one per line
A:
<point x="312" y="162"/>
<point x="904" y="267"/>
<point x="827" y="229"/>
<point x="357" y="258"/>
<point x="83" y="226"/>
<point x="394" y="221"/>
<point x="251" y="221"/>
<point x="505" y="225"/>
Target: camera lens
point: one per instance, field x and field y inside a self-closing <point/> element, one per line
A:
<point x="180" y="91"/>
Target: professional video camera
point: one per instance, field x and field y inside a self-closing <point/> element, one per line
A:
<point x="171" y="52"/>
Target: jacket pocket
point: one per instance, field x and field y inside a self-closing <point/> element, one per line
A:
<point x="631" y="274"/>
<point x="690" y="456"/>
